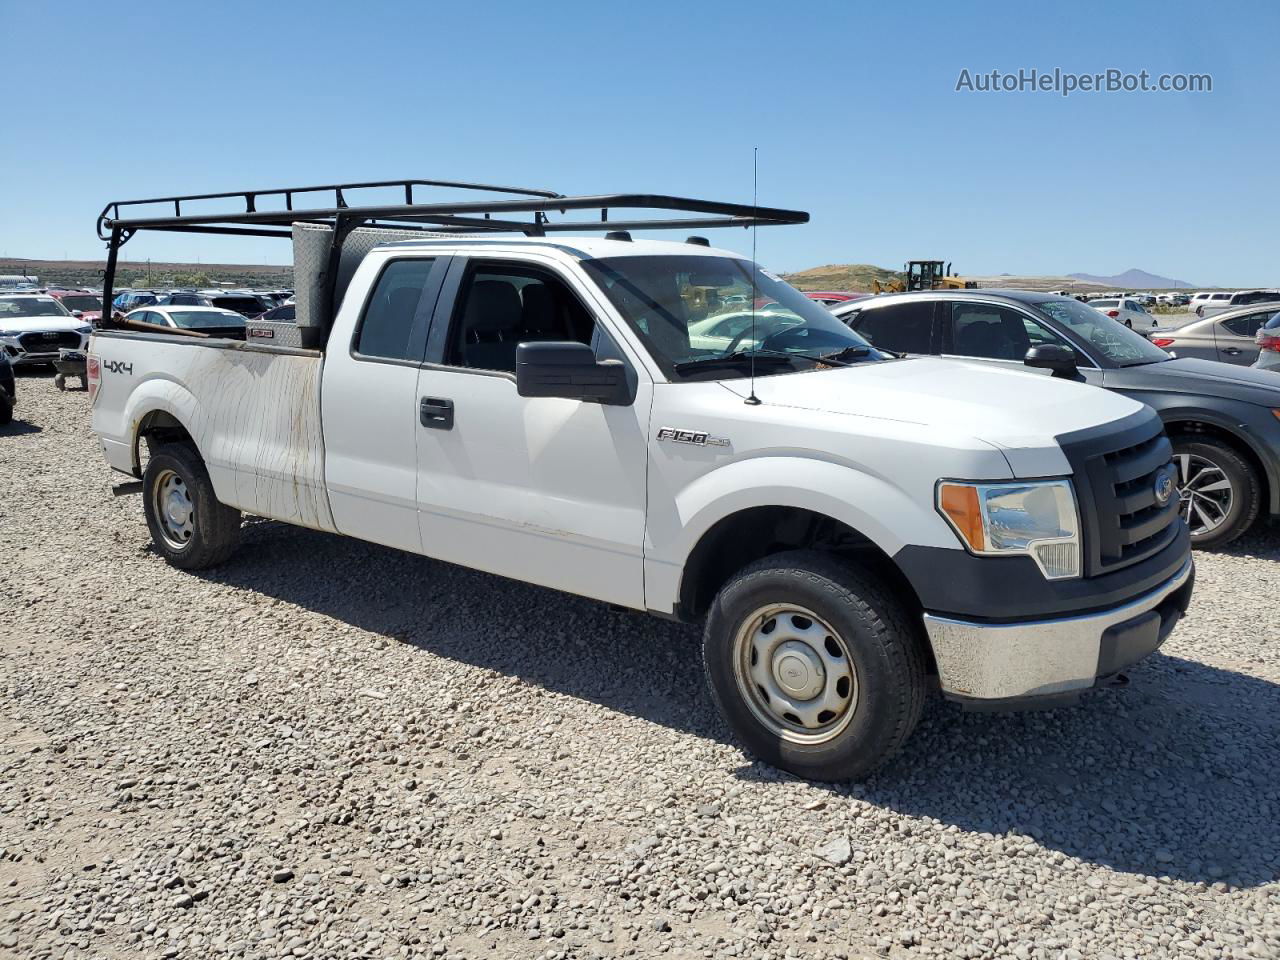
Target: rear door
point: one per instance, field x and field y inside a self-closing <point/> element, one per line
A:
<point x="546" y="490"/>
<point x="1235" y="336"/>
<point x="369" y="404"/>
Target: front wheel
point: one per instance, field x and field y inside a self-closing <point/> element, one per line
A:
<point x="6" y="408"/>
<point x="1219" y="490"/>
<point x="189" y="526"/>
<point x="815" y="666"/>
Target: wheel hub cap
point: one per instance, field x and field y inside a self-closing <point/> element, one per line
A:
<point x="795" y="673"/>
<point x="178" y="508"/>
<point x="798" y="670"/>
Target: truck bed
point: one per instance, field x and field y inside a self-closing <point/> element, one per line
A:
<point x="232" y="395"/>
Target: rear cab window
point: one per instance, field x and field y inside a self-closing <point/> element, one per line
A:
<point x="393" y="325"/>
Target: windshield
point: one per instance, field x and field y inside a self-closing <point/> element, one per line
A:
<point x="30" y="307"/>
<point x="195" y="319"/>
<point x="1112" y="339"/>
<point x="689" y="308"/>
<point x="82" y="302"/>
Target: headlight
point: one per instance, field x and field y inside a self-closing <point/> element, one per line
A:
<point x="86" y="329"/>
<point x="1036" y="519"/>
<point x="9" y="333"/>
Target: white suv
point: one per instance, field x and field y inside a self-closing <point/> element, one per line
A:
<point x="34" y="328"/>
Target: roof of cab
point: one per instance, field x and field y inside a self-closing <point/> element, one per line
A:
<point x="585" y="248"/>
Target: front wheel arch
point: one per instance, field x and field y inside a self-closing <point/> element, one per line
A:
<point x="1199" y="428"/>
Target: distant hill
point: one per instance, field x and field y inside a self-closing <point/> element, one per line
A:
<point x="1133" y="280"/>
<point x="840" y="276"/>
<point x="132" y="273"/>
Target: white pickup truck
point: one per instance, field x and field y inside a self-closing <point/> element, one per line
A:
<point x="667" y="427"/>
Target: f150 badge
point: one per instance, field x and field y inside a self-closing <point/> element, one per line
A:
<point x="698" y="438"/>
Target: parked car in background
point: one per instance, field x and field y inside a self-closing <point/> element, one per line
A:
<point x="1268" y="339"/>
<point x="1230" y="337"/>
<point x="1125" y="310"/>
<point x="80" y="303"/>
<point x="1241" y="298"/>
<point x="214" y="321"/>
<point x="245" y="304"/>
<point x="33" y="327"/>
<point x="8" y="389"/>
<point x="132" y="299"/>
<point x="829" y="298"/>
<point x="285" y="313"/>
<point x="1226" y="439"/>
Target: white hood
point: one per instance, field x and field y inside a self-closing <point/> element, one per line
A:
<point x="40" y="324"/>
<point x="1012" y="409"/>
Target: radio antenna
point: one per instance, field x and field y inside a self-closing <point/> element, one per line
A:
<point x="753" y="400"/>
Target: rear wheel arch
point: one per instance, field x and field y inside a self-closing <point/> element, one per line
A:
<point x="157" y="428"/>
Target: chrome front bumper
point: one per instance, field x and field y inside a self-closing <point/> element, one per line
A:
<point x="1048" y="658"/>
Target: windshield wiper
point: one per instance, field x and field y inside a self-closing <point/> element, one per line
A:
<point x="841" y="358"/>
<point x="737" y="358"/>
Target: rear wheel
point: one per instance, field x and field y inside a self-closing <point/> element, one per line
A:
<point x="1220" y="493"/>
<point x="189" y="527"/>
<point x="816" y="667"/>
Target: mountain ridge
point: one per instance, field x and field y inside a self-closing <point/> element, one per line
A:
<point x="1133" y="278"/>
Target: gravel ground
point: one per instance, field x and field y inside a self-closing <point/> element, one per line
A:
<point x="328" y="749"/>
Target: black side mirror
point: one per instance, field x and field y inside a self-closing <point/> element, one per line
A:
<point x="1053" y="356"/>
<point x="569" y="370"/>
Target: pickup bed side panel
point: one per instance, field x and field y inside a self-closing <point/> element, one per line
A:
<point x="254" y="415"/>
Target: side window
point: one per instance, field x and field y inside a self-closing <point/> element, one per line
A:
<point x="387" y="326"/>
<point x="987" y="331"/>
<point x="903" y="327"/>
<point x="1248" y="325"/>
<point x="501" y="306"/>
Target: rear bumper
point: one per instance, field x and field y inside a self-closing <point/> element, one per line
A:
<point x="1015" y="664"/>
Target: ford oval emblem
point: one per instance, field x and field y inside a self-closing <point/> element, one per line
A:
<point x="1163" y="487"/>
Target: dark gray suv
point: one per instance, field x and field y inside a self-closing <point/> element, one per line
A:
<point x="1224" y="420"/>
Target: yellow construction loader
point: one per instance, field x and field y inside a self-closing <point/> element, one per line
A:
<point x="925" y="275"/>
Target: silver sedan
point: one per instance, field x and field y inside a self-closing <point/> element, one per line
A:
<point x="1229" y="336"/>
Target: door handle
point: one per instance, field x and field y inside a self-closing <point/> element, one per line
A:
<point x="1232" y="351"/>
<point x="436" y="413"/>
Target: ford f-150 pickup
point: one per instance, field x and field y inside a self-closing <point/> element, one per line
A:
<point x="664" y="426"/>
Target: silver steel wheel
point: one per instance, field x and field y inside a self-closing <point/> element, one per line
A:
<point x="1206" y="494"/>
<point x="795" y="673"/>
<point x="173" y="508"/>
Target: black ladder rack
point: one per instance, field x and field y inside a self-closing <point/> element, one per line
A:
<point x="519" y="210"/>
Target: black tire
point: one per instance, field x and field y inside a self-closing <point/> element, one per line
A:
<point x="884" y="645"/>
<point x="1246" y="488"/>
<point x="214" y="527"/>
<point x="6" y="408"/>
<point x="60" y="382"/>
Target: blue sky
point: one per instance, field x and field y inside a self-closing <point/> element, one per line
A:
<point x="853" y="107"/>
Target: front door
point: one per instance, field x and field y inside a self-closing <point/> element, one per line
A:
<point x="545" y="490"/>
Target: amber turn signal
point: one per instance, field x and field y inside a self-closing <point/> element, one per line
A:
<point x="960" y="503"/>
